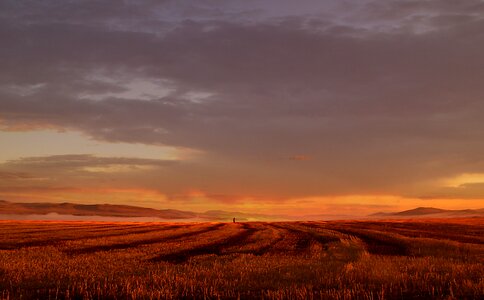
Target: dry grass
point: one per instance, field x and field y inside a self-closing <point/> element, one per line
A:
<point x="439" y="259"/>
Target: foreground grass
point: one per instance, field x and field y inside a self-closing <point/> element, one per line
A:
<point x="300" y="260"/>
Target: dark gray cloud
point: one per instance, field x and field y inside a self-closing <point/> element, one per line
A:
<point x="382" y="95"/>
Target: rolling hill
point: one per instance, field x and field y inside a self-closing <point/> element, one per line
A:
<point x="112" y="210"/>
<point x="431" y="212"/>
<point x="107" y="210"/>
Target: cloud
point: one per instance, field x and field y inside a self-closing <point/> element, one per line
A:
<point x="299" y="157"/>
<point x="85" y="178"/>
<point x="383" y="95"/>
<point x="81" y="161"/>
<point x="464" y="192"/>
<point x="79" y="172"/>
<point x="15" y="176"/>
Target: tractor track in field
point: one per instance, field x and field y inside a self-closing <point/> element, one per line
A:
<point x="375" y="244"/>
<point x="138" y="243"/>
<point x="453" y="233"/>
<point x="43" y="229"/>
<point x="216" y="248"/>
<point x="305" y="238"/>
<point x="84" y="230"/>
<point x="59" y="240"/>
<point x="469" y="239"/>
<point x="264" y="249"/>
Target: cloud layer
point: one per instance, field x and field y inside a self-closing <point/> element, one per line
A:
<point x="322" y="98"/>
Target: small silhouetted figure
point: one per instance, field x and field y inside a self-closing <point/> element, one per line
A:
<point x="233" y="220"/>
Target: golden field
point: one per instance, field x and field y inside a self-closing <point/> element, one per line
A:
<point x="407" y="259"/>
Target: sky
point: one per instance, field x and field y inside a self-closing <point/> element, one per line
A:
<point x="294" y="107"/>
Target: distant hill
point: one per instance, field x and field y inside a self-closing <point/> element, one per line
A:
<point x="431" y="212"/>
<point x="420" y="211"/>
<point x="106" y="210"/>
<point x="111" y="210"/>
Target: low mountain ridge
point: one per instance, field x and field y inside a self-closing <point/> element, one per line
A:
<point x="431" y="212"/>
<point x="420" y="211"/>
<point x="115" y="210"/>
<point x="106" y="210"/>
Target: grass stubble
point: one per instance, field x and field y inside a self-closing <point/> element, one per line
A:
<point x="411" y="259"/>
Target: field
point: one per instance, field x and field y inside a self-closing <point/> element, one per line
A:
<point x="409" y="259"/>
